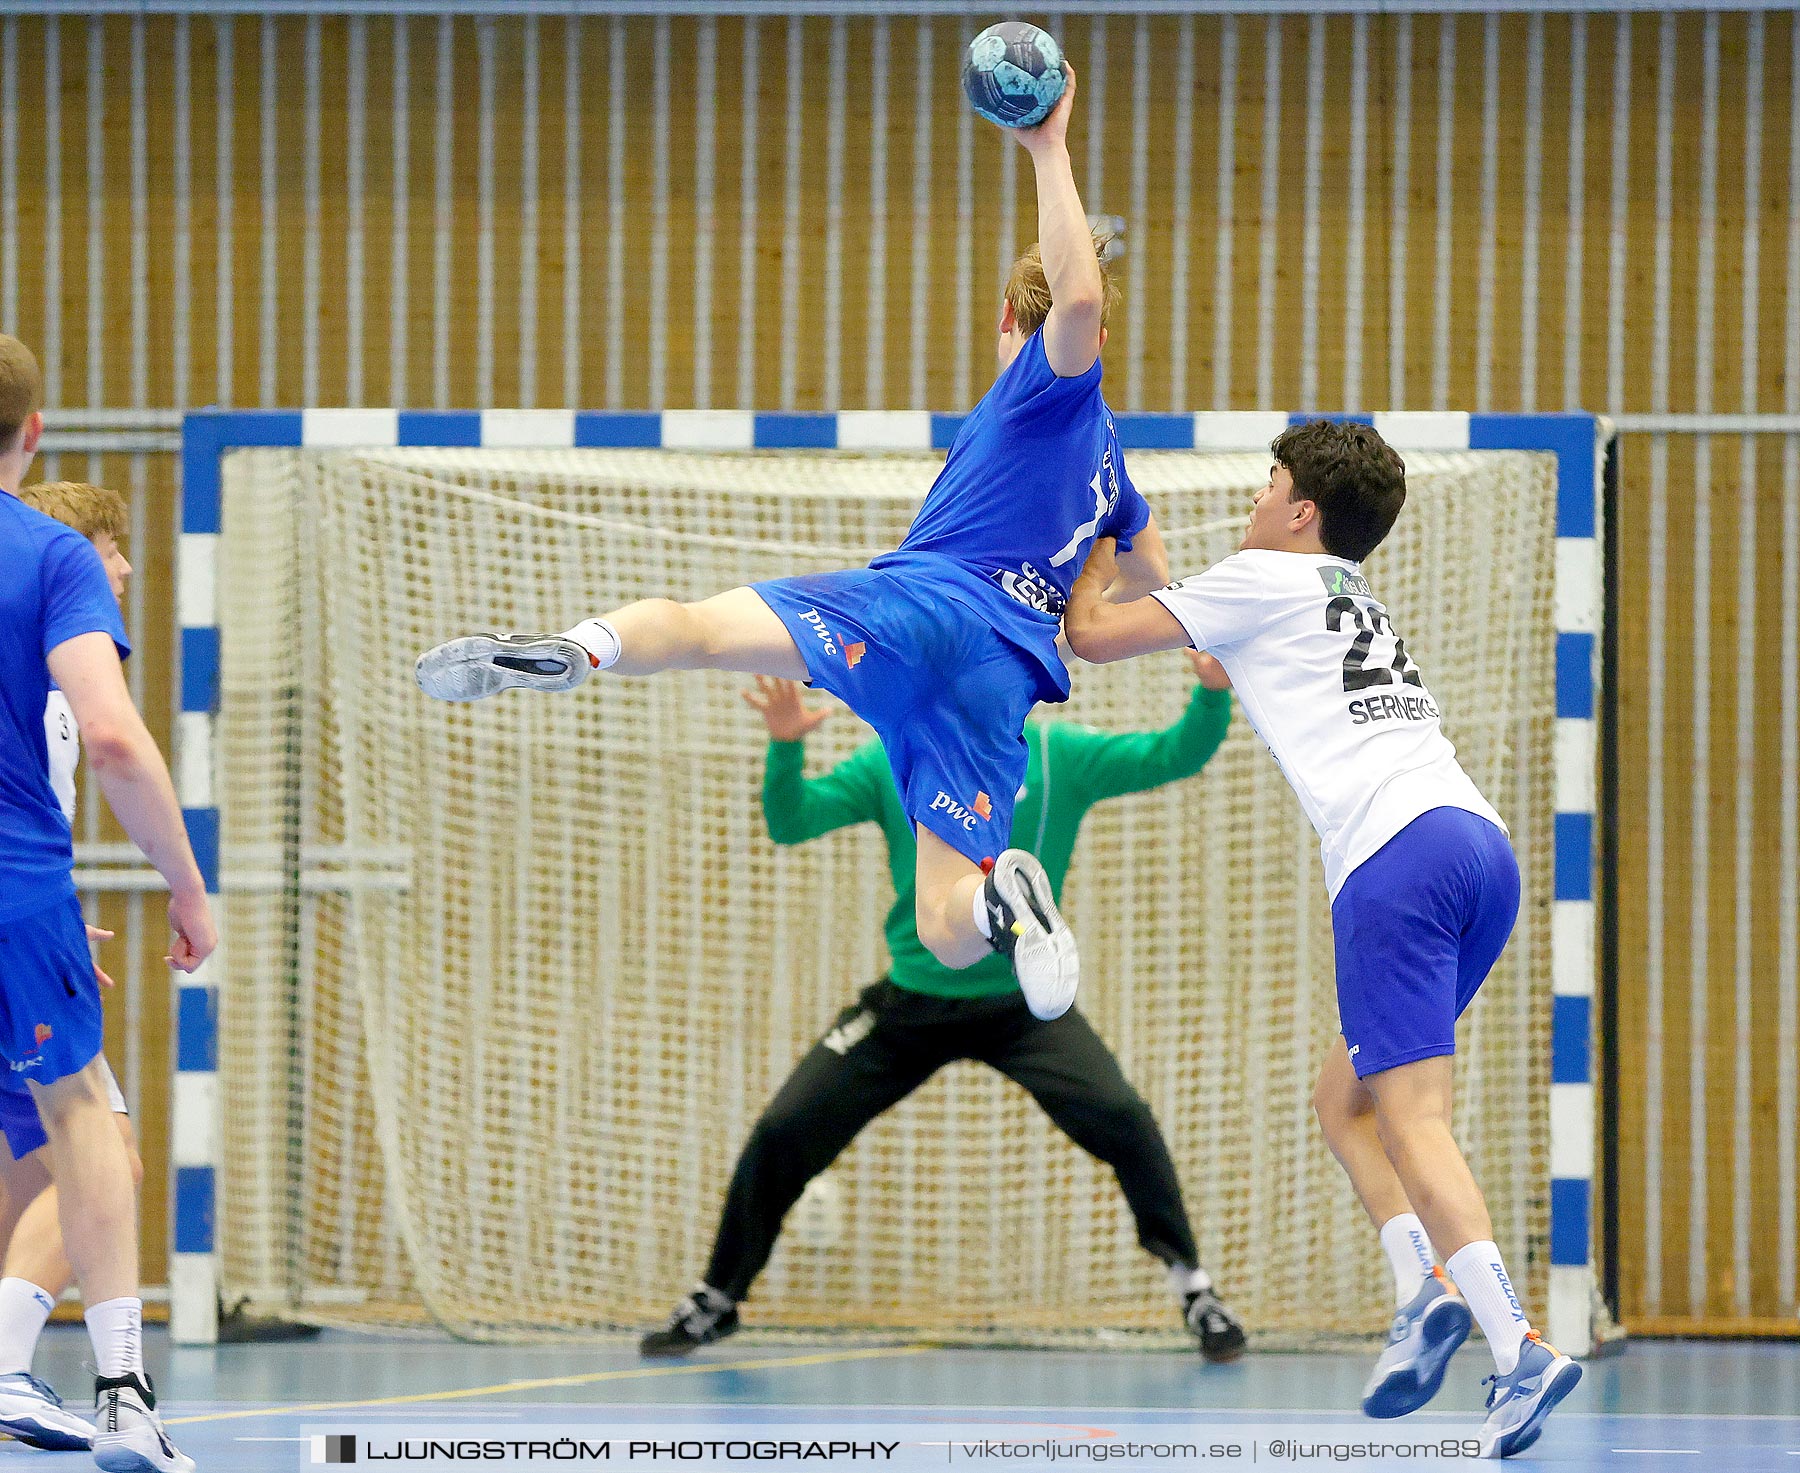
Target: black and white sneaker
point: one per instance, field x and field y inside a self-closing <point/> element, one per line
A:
<point x="128" y="1435"/>
<point x="704" y="1316"/>
<point x="481" y="665"/>
<point x="1218" y="1330"/>
<point x="1025" y="925"/>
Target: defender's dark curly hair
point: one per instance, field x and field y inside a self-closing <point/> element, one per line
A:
<point x="1355" y="478"/>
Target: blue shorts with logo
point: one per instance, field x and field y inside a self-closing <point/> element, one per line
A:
<point x="946" y="694"/>
<point x="50" y="1024"/>
<point x="1417" y="927"/>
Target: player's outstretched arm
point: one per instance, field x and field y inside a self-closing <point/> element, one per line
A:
<point x="1101" y="765"/>
<point x="795" y="807"/>
<point x="123" y="756"/>
<point x="1143" y="567"/>
<point x="1077" y="295"/>
<point x="1101" y="632"/>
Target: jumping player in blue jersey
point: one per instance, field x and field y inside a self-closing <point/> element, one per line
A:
<point x="60" y="622"/>
<point x="945" y="644"/>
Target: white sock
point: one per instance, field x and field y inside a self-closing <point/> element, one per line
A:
<point x="1185" y="1281"/>
<point x="1482" y="1278"/>
<point x="23" y="1309"/>
<point x="117" y="1330"/>
<point x="981" y="911"/>
<point x="1409" y="1251"/>
<point x="599" y="639"/>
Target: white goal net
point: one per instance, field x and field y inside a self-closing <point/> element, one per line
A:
<point x="507" y="985"/>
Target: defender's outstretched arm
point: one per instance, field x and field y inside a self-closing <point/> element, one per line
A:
<point x="1101" y="632"/>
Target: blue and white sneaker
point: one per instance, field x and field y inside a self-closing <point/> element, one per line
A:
<point x="1424" y="1336"/>
<point x="1524" y="1397"/>
<point x="31" y="1413"/>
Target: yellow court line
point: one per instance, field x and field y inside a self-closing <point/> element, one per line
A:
<point x="693" y="1368"/>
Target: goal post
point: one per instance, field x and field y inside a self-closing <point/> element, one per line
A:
<point x="398" y="1086"/>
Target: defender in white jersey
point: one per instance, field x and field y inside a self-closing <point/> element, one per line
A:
<point x="1423" y="884"/>
<point x="37" y="1269"/>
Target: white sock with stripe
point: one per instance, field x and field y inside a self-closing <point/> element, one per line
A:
<point x="1481" y="1276"/>
<point x="23" y="1309"/>
<point x="599" y="639"/>
<point x="1409" y="1253"/>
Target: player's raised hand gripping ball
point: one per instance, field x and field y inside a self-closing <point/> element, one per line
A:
<point x="1014" y="74"/>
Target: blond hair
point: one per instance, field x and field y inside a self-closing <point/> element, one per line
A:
<point x="1028" y="289"/>
<point x="93" y="511"/>
<point x="21" y="387"/>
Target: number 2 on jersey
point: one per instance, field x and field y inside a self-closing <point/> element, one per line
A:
<point x="1369" y="622"/>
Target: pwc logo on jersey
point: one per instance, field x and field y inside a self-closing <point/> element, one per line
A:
<point x="980" y="811"/>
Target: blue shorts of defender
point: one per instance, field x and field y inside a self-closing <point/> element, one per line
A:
<point x="1417" y="928"/>
<point x="50" y="1023"/>
<point x="946" y="694"/>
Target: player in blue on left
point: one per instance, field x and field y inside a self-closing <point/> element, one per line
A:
<point x="944" y="645"/>
<point x="60" y="622"/>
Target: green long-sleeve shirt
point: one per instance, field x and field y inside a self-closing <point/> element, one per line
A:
<point x="1069" y="769"/>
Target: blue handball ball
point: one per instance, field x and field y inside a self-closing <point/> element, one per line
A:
<point x="1014" y="74"/>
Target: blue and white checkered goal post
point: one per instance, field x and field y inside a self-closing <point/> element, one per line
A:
<point x="1577" y="440"/>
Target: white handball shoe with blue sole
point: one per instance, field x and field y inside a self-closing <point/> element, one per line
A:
<point x="1425" y="1334"/>
<point x="31" y="1413"/>
<point x="1524" y="1397"/>
<point x="481" y="665"/>
<point x="128" y="1434"/>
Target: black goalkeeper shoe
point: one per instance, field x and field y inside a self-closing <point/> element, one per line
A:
<point x="1217" y="1329"/>
<point x="703" y="1317"/>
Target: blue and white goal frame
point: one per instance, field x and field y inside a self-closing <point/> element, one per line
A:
<point x="1579" y="442"/>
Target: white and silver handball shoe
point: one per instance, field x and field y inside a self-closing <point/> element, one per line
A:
<point x="1524" y="1397"/>
<point x="31" y="1413"/>
<point x="128" y="1435"/>
<point x="1026" y="926"/>
<point x="1425" y="1334"/>
<point x="481" y="665"/>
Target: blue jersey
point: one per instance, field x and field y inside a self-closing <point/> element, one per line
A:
<point x="1034" y="476"/>
<point x="52" y="588"/>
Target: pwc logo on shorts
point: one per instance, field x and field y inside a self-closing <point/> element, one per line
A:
<point x="814" y="618"/>
<point x="853" y="653"/>
<point x="43" y="1033"/>
<point x="980" y="811"/>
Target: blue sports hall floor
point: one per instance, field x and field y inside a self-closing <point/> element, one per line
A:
<point x="1710" y="1407"/>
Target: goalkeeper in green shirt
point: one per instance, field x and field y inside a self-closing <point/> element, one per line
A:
<point x="923" y="1015"/>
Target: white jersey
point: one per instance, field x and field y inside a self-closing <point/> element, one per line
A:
<point x="64" y="742"/>
<point x="1327" y="682"/>
<point x="63" y="738"/>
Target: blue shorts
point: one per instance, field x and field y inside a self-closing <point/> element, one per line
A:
<point x="20" y="1122"/>
<point x="945" y="693"/>
<point x="1417" y="927"/>
<point x="49" y="997"/>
